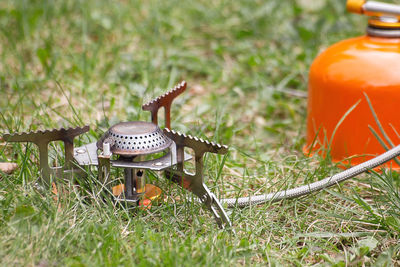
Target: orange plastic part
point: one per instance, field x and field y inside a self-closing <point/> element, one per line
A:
<point x="355" y="6"/>
<point x="152" y="194"/>
<point x="337" y="80"/>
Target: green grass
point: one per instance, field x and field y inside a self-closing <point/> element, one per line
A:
<point x="70" y="63"/>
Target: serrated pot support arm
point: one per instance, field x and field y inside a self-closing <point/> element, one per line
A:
<point x="195" y="182"/>
<point x="42" y="140"/>
<point x="164" y="101"/>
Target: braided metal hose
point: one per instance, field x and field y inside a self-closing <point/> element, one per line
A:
<point x="316" y="186"/>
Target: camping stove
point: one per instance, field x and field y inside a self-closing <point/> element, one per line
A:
<point x="130" y="142"/>
<point x="135" y="147"/>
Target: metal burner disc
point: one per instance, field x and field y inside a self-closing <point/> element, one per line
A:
<point x="135" y="138"/>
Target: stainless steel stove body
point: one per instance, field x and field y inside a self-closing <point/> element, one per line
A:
<point x="124" y="146"/>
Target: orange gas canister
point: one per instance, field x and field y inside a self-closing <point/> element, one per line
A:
<point x="341" y="80"/>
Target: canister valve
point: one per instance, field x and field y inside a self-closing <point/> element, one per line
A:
<point x="385" y="17"/>
<point x="373" y="8"/>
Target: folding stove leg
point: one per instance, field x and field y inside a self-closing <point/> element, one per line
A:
<point x="42" y="140"/>
<point x="164" y="101"/>
<point x="194" y="182"/>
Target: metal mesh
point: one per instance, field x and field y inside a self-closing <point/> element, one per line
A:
<point x="139" y="142"/>
<point x="135" y="138"/>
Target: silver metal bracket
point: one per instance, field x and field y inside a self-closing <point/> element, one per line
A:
<point x="87" y="155"/>
<point x="164" y="101"/>
<point x="195" y="182"/>
<point x="42" y="140"/>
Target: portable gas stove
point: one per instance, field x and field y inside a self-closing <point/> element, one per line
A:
<point x="125" y="145"/>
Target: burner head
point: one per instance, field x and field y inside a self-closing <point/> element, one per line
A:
<point x="135" y="138"/>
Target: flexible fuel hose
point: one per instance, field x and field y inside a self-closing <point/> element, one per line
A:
<point x="316" y="186"/>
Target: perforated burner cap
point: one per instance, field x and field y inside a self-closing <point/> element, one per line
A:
<point x="135" y="138"/>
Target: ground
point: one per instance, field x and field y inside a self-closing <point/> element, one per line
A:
<point x="71" y="63"/>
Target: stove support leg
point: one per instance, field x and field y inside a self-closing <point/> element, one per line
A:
<point x="129" y="182"/>
<point x="140" y="181"/>
<point x="104" y="169"/>
<point x="195" y="182"/>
